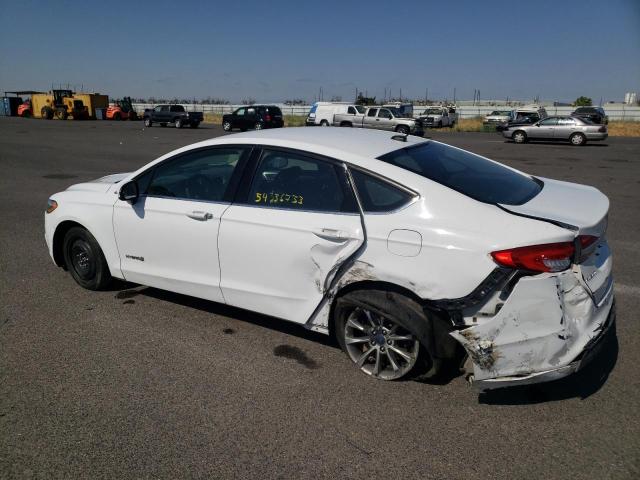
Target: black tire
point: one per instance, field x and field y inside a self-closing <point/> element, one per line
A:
<point x="117" y="117"/>
<point x="194" y="124"/>
<point x="61" y="114"/>
<point x="324" y="123"/>
<point x="147" y="122"/>
<point x="26" y="114"/>
<point x="258" y="126"/>
<point x="409" y="316"/>
<point x="440" y="124"/>
<point x="519" y="136"/>
<point x="84" y="259"/>
<point x="403" y="129"/>
<point x="46" y="113"/>
<point x="578" y="139"/>
<point x="163" y="124"/>
<point x="178" y="123"/>
<point x="226" y="126"/>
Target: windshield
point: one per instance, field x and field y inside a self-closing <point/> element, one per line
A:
<point x="467" y="173"/>
<point x="432" y="111"/>
<point x="501" y="113"/>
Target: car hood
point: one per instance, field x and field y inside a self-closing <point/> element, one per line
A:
<point x="570" y="204"/>
<point x="101" y="184"/>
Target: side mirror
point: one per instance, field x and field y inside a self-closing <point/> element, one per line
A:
<point x="129" y="192"/>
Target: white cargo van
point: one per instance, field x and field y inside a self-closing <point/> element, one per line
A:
<point x="322" y="113"/>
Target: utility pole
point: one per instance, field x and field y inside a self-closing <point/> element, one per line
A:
<point x="401" y="95"/>
<point x="426" y="95"/>
<point x="454" y="95"/>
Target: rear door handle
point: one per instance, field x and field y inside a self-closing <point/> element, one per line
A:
<point x="333" y="235"/>
<point x="200" y="215"/>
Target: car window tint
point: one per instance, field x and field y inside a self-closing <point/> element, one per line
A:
<point x="239" y="111"/>
<point x="549" y="122"/>
<point x="351" y="111"/>
<point x="384" y="113"/>
<point x="202" y="175"/>
<point x="372" y="112"/>
<point x="566" y="121"/>
<point x="377" y="195"/>
<point x="467" y="173"/>
<point x="297" y="182"/>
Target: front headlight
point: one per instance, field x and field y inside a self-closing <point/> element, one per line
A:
<point x="51" y="205"/>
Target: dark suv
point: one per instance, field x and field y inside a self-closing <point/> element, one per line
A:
<point x="253" y="117"/>
<point x="594" y="114"/>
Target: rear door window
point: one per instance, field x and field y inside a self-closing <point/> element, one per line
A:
<point x="372" y="112"/>
<point x="467" y="173"/>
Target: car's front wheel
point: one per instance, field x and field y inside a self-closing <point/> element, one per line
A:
<point x="578" y="139"/>
<point x="84" y="259"/>
<point x="324" y="123"/>
<point x="226" y="126"/>
<point x="402" y="129"/>
<point x="519" y="136"/>
<point x="380" y="335"/>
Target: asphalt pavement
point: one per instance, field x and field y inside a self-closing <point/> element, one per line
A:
<point x="135" y="382"/>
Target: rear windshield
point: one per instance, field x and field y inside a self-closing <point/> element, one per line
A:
<point x="274" y="110"/>
<point x="467" y="173"/>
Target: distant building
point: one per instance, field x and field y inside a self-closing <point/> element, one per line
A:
<point x="630" y="98"/>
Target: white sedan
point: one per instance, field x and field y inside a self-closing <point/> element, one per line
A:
<point x="405" y="249"/>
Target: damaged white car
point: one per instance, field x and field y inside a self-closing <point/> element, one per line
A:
<point x="405" y="249"/>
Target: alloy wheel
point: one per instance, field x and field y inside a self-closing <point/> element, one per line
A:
<point x="379" y="346"/>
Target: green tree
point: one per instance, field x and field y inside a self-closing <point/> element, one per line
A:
<point x="362" y="100"/>
<point x="583" y="102"/>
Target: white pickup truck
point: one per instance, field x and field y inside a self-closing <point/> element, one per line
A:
<point x="439" y="117"/>
<point x="381" y="118"/>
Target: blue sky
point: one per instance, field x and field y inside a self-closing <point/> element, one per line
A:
<point x="273" y="50"/>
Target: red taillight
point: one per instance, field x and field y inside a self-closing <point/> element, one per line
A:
<point x="267" y="117"/>
<point x="587" y="240"/>
<point x="550" y="257"/>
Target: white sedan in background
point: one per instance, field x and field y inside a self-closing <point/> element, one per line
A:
<point x="405" y="249"/>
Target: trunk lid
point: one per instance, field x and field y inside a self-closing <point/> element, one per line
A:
<point x="583" y="209"/>
<point x="580" y="206"/>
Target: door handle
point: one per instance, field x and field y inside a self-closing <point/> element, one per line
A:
<point x="200" y="215"/>
<point x="333" y="235"/>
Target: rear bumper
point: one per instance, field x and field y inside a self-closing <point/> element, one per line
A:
<point x="597" y="136"/>
<point x="589" y="353"/>
<point x="548" y="328"/>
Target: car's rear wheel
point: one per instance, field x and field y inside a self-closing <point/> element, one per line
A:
<point x="324" y="123"/>
<point x="226" y="126"/>
<point x="148" y="122"/>
<point x="380" y="336"/>
<point x="402" y="129"/>
<point x="258" y="126"/>
<point x="577" y="139"/>
<point x="519" y="136"/>
<point x="178" y="123"/>
<point x="84" y="259"/>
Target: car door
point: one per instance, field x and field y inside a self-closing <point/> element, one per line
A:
<point x="294" y="224"/>
<point x="564" y="128"/>
<point x="544" y="128"/>
<point x="237" y="120"/>
<point x="157" y="113"/>
<point x="251" y="117"/>
<point x="384" y="120"/>
<point x="168" y="237"/>
<point x="370" y="119"/>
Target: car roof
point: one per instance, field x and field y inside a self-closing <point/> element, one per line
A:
<point x="334" y="141"/>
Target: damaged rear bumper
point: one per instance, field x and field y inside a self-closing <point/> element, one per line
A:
<point x="549" y="327"/>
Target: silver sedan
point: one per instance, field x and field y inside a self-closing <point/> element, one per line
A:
<point x="575" y="130"/>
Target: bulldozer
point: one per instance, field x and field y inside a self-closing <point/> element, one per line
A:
<point x="122" y="110"/>
<point x="57" y="103"/>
